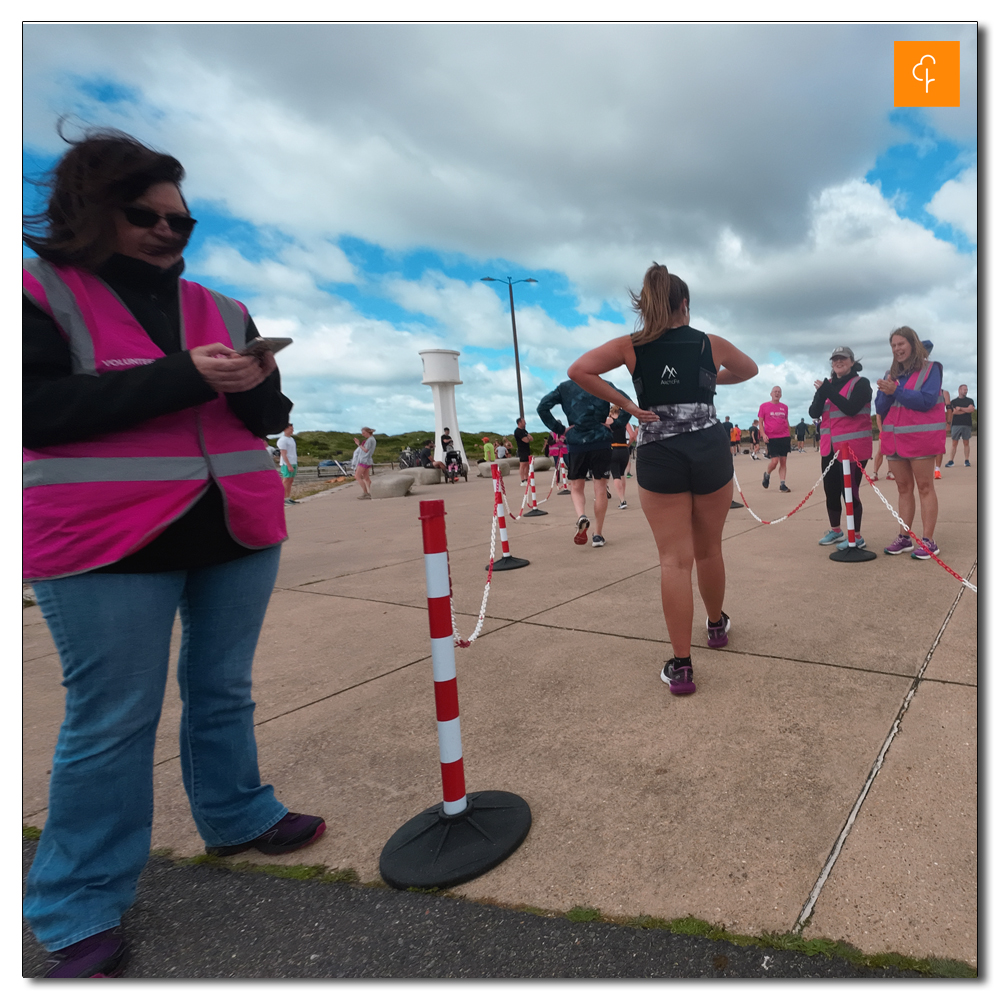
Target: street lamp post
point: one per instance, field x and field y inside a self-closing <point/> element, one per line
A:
<point x="513" y="326"/>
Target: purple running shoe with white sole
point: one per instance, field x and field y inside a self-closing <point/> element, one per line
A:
<point x="925" y="550"/>
<point x="717" y="632"/>
<point x="899" y="545"/>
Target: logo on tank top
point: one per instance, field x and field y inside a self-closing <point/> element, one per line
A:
<point x="669" y="376"/>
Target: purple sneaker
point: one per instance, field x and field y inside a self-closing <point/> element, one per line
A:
<point x="899" y="545"/>
<point x="680" y="677"/>
<point x="291" y="832"/>
<point x="925" y="550"/>
<point x="717" y="637"/>
<point x="101" y="956"/>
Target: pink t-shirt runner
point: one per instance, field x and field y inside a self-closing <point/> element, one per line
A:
<point x="773" y="419"/>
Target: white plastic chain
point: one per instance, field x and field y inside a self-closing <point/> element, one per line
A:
<point x="459" y="641"/>
<point x="739" y="489"/>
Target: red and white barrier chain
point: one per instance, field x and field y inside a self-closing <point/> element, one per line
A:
<point x="456" y="635"/>
<point x="795" y="509"/>
<point x="871" y="482"/>
<point x="961" y="579"/>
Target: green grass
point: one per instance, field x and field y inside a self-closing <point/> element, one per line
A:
<point x="30" y="832"/>
<point x="301" y="873"/>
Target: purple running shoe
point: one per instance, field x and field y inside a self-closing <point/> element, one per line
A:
<point x="680" y="677"/>
<point x="898" y="546"/>
<point x="101" y="956"/>
<point x="925" y="550"/>
<point x="292" y="832"/>
<point x="717" y="637"/>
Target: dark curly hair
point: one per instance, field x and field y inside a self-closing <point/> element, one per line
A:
<point x="104" y="170"/>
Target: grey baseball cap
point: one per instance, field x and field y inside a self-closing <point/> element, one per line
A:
<point x="842" y="352"/>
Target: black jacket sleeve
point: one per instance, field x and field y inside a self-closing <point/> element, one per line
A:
<point x="59" y="407"/>
<point x="816" y="406"/>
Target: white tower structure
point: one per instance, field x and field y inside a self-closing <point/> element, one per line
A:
<point x="441" y="374"/>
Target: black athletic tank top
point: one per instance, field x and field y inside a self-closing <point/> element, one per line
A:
<point x="677" y="367"/>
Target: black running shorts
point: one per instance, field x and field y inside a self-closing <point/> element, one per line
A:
<point x="619" y="461"/>
<point x="778" y="447"/>
<point x="699" y="462"/>
<point x="597" y="462"/>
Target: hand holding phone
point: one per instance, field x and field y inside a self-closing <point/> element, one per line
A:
<point x="259" y="346"/>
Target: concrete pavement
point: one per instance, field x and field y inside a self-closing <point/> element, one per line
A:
<point x="824" y="772"/>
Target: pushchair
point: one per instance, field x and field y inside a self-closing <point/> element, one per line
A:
<point x="453" y="467"/>
<point x="408" y="458"/>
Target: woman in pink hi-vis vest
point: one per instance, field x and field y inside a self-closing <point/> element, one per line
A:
<point x="147" y="491"/>
<point x="911" y="405"/>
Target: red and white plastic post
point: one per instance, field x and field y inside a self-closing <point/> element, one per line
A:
<point x="852" y="553"/>
<point x="507" y="561"/>
<point x="443" y="656"/>
<point x="563" y="478"/>
<point x="464" y="835"/>
<point x="534" y="510"/>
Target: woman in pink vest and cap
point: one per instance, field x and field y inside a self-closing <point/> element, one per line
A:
<point x="843" y="404"/>
<point x="147" y="491"/>
<point x="911" y="405"/>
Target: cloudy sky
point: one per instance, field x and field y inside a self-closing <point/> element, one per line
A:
<point x="354" y="183"/>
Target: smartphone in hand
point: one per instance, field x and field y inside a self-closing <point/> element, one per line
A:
<point x="261" y="345"/>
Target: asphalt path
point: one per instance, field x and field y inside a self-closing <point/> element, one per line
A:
<point x="202" y="921"/>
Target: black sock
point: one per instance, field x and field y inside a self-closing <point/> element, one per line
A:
<point x="719" y="623"/>
<point x="682" y="661"/>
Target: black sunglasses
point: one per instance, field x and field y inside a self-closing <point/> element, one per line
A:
<point x="146" y="218"/>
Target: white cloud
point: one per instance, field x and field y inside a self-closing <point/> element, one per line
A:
<point x="957" y="203"/>
<point x="589" y="151"/>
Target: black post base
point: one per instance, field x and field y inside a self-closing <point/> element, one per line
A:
<point x="509" y="562"/>
<point x="852" y="555"/>
<point x="535" y="512"/>
<point x="564" y="493"/>
<point x="433" y="850"/>
<point x="734" y="505"/>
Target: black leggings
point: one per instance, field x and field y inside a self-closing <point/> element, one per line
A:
<point x="833" y="484"/>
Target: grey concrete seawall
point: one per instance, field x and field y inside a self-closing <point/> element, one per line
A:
<point x="825" y="771"/>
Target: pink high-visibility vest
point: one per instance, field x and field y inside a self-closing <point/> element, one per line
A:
<point x="910" y="433"/>
<point x="836" y="427"/>
<point x="90" y="503"/>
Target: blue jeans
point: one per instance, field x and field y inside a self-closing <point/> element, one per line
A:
<point x="113" y="636"/>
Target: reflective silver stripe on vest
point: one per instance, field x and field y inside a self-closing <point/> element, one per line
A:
<point x="51" y="471"/>
<point x="66" y="313"/>
<point x="235" y="463"/>
<point x="916" y="428"/>
<point x="853" y="436"/>
<point x="234" y="318"/>
<point x="171" y="468"/>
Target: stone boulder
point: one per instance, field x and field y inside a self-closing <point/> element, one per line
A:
<point x="544" y="464"/>
<point x="392" y="484"/>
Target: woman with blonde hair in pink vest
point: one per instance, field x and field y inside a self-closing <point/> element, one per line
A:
<point x="148" y="492"/>
<point x="911" y="405"/>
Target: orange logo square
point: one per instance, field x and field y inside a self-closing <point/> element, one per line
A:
<point x="925" y="74"/>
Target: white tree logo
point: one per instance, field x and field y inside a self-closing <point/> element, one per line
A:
<point x="926" y="79"/>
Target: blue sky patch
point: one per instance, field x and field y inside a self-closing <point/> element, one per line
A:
<point x="911" y="173"/>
